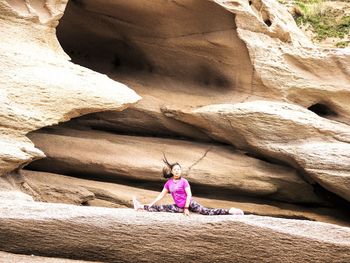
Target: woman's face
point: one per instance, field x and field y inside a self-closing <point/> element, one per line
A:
<point x="176" y="171"/>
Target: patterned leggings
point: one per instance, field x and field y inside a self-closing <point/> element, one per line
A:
<point x="193" y="207"/>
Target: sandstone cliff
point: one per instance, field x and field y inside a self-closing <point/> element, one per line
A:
<point x="233" y="90"/>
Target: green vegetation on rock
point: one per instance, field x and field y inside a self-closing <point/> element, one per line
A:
<point x="342" y="44"/>
<point x="323" y="20"/>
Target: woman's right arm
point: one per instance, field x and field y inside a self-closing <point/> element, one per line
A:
<point x="160" y="196"/>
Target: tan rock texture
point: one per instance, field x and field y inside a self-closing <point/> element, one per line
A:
<point x="114" y="195"/>
<point x="39" y="86"/>
<point x="166" y="51"/>
<point x="177" y="55"/>
<point x="297" y="70"/>
<point x="123" y="235"/>
<point x="145" y="118"/>
<point x="54" y="190"/>
<point x="104" y="155"/>
<point x="285" y="132"/>
<point x="16" y="258"/>
<point x="250" y="50"/>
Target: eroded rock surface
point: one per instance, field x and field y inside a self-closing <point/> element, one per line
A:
<point x="177" y="55"/>
<point x="250" y="50"/>
<point x="123" y="235"/>
<point x="16" y="258"/>
<point x="145" y="118"/>
<point x="39" y="86"/>
<point x="285" y="132"/>
<point x="118" y="195"/>
<point x="92" y="153"/>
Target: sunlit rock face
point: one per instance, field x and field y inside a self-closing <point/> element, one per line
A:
<point x="10" y="257"/>
<point x="195" y="53"/>
<point x="256" y="115"/>
<point x="207" y="165"/>
<point x="123" y="235"/>
<point x="282" y="131"/>
<point x="187" y="54"/>
<point x="39" y="86"/>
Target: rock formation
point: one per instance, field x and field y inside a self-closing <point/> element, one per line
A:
<point x="317" y="146"/>
<point x="107" y="194"/>
<point x="39" y="86"/>
<point x="15" y="258"/>
<point x="209" y="165"/>
<point x="256" y="114"/>
<point x="197" y="63"/>
<point x="128" y="236"/>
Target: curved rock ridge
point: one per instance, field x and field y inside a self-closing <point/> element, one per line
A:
<point x="123" y="235"/>
<point x="46" y="12"/>
<point x="167" y="52"/>
<point x="101" y="154"/>
<point x="143" y="118"/>
<point x="268" y="18"/>
<point x="289" y="133"/>
<point x="49" y="187"/>
<point x="39" y="86"/>
<point x="301" y="72"/>
<point x="250" y="50"/>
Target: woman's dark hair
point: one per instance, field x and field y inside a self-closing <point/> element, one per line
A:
<point x="169" y="166"/>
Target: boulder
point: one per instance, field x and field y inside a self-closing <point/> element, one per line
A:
<point x="118" y="157"/>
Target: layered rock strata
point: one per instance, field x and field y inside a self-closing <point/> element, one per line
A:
<point x="144" y="119"/>
<point x="198" y="63"/>
<point x="250" y="50"/>
<point x="285" y="132"/>
<point x="124" y="235"/>
<point x="114" y="195"/>
<point x="176" y="54"/>
<point x="103" y="154"/>
<point x="39" y="86"/>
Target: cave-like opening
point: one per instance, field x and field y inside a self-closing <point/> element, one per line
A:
<point x="157" y="43"/>
<point x="322" y="110"/>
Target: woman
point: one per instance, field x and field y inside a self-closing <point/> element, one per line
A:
<point x="181" y="192"/>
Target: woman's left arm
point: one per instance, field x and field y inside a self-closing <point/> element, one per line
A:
<point x="188" y="200"/>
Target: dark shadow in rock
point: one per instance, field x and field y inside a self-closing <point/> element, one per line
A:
<point x="129" y="57"/>
<point x="266" y="159"/>
<point x="332" y="198"/>
<point x="268" y="22"/>
<point x="322" y="110"/>
<point x="79" y="3"/>
<point x="209" y="76"/>
<point x="124" y="46"/>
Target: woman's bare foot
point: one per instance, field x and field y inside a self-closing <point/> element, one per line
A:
<point x="235" y="211"/>
<point x="137" y="205"/>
